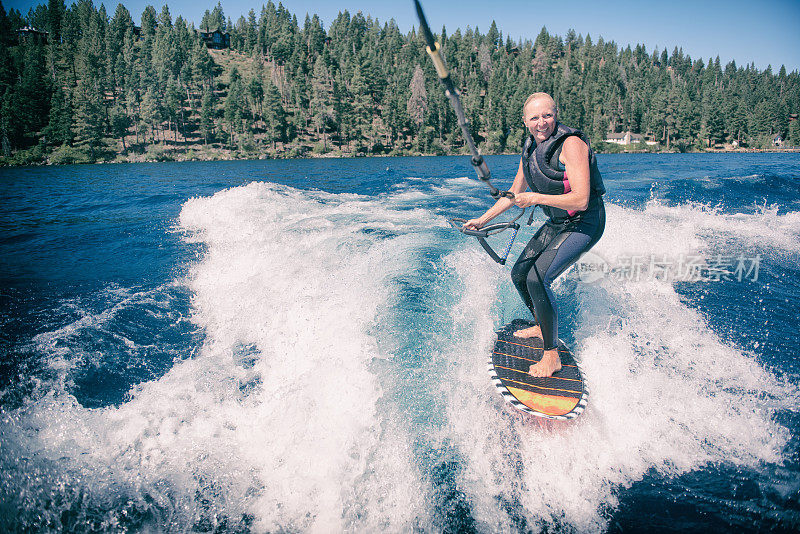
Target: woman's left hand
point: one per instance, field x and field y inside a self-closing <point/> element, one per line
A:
<point x="523" y="200"/>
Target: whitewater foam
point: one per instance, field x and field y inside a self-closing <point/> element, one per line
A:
<point x="276" y="419"/>
<point x="343" y="358"/>
<point x="666" y="394"/>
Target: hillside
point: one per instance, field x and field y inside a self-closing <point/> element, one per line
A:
<point x="94" y="87"/>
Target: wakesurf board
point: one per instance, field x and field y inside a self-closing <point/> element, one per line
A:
<point x="561" y="396"/>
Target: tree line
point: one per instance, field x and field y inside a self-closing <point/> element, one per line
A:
<point x="101" y="87"/>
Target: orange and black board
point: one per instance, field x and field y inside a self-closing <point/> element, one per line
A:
<point x="561" y="396"/>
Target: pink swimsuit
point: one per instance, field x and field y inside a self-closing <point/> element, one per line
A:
<point x="567" y="189"/>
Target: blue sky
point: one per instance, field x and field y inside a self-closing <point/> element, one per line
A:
<point x="765" y="32"/>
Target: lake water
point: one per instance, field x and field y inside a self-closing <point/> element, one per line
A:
<point x="302" y="346"/>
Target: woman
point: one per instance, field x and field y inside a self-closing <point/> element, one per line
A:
<point x="561" y="171"/>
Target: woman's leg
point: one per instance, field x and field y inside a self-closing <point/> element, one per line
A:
<point x="557" y="257"/>
<point x="544" y="262"/>
<point x="519" y="273"/>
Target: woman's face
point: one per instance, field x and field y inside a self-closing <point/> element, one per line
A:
<point x="540" y="119"/>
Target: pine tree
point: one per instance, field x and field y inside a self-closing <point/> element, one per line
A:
<point x="255" y="92"/>
<point x="251" y="31"/>
<point x="120" y="122"/>
<point x="362" y="106"/>
<point x="149" y="22"/>
<point x="207" y="115"/>
<point x="793" y="138"/>
<point x="275" y="114"/>
<point x="235" y="106"/>
<point x="216" y="19"/>
<point x="31" y="95"/>
<point x="173" y="103"/>
<point x="715" y="122"/>
<point x="88" y="124"/>
<point x="152" y="113"/>
<point x="58" y="131"/>
<point x="322" y="101"/>
<point x="418" y="102"/>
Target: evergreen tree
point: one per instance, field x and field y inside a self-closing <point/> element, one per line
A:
<point x="251" y="35"/>
<point x="342" y="108"/>
<point x="6" y="114"/>
<point x="714" y="120"/>
<point x="275" y="114"/>
<point x="31" y="95"/>
<point x="152" y="113"/>
<point x="216" y="20"/>
<point x="255" y="92"/>
<point x="793" y="138"/>
<point x="362" y="105"/>
<point x="88" y="125"/>
<point x="58" y="131"/>
<point x="207" y="115"/>
<point x="55" y="15"/>
<point x="149" y="22"/>
<point x="120" y="122"/>
<point x="133" y="107"/>
<point x="738" y="120"/>
<point x="418" y="103"/>
<point x="235" y="106"/>
<point x="322" y="112"/>
<point x="173" y="104"/>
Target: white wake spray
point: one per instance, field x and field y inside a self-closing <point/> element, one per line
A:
<point x="277" y="420"/>
<point x="338" y="347"/>
<point x="666" y="394"/>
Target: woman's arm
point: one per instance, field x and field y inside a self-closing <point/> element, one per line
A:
<point x="575" y="157"/>
<point x="502" y="203"/>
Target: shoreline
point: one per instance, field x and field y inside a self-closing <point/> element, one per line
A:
<point x="184" y="156"/>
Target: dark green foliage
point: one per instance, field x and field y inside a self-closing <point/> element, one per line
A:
<point x="88" y="121"/>
<point x="149" y="22"/>
<point x="97" y="87"/>
<point x="235" y="106"/>
<point x="214" y="20"/>
<point x="207" y="115"/>
<point x="275" y="115"/>
<point x="793" y="138"/>
<point x="58" y="131"/>
<point x="120" y="122"/>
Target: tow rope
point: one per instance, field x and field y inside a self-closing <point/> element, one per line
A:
<point x="478" y="163"/>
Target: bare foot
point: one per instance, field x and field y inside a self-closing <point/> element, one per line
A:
<point x="533" y="331"/>
<point x="549" y="364"/>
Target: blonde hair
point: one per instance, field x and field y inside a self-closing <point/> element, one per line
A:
<point x="543" y="96"/>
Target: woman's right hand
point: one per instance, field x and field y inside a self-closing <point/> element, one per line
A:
<point x="472" y="224"/>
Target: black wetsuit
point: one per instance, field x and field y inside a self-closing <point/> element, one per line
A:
<point x="564" y="237"/>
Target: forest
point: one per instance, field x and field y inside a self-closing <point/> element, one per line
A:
<point x="79" y="85"/>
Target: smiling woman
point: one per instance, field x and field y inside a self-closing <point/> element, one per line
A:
<point x="539" y="115"/>
<point x="561" y="171"/>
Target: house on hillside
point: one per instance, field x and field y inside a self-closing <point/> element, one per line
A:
<point x="628" y="138"/>
<point x="216" y="39"/>
<point x="30" y="33"/>
<point x="777" y="140"/>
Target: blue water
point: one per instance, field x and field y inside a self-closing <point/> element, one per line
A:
<point x="302" y="346"/>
